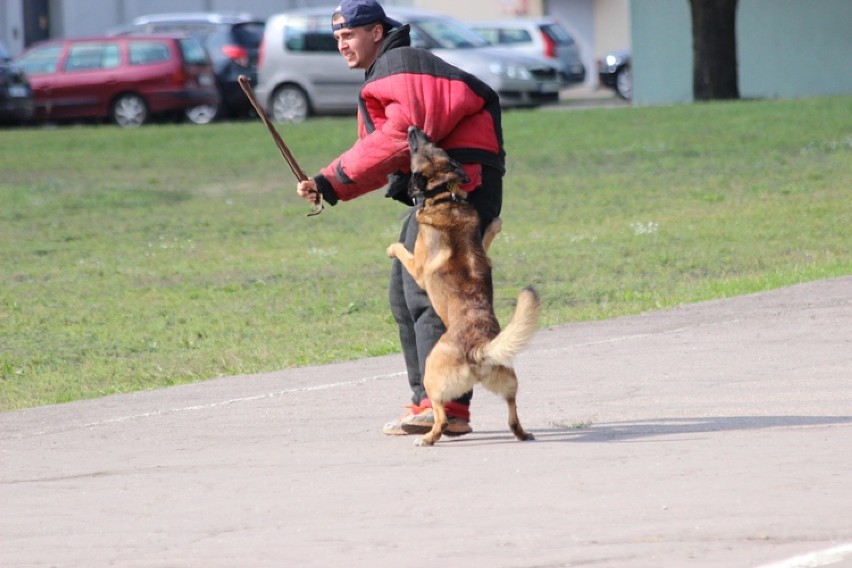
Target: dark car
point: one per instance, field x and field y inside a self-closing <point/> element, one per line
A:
<point x="125" y="79"/>
<point x="614" y="71"/>
<point x="16" y="95"/>
<point x="232" y="40"/>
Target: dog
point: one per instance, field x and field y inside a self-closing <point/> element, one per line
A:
<point x="450" y="263"/>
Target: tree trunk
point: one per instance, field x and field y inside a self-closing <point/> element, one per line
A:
<point x="714" y="49"/>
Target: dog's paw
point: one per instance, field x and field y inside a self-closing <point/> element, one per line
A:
<point x="390" y="251"/>
<point x="423" y="442"/>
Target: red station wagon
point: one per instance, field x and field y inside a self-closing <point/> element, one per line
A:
<point x="124" y="79"/>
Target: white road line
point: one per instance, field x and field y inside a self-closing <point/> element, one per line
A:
<point x="815" y="559"/>
<point x="263" y="396"/>
<point x="631" y="337"/>
<point x="68" y="427"/>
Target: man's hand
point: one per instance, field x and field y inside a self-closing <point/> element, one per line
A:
<point x="308" y="191"/>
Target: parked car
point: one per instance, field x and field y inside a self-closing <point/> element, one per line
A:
<point x="537" y="36"/>
<point x="231" y="40"/>
<point x="16" y="95"/>
<point x="615" y="72"/>
<point x="125" y="79"/>
<point x="301" y="72"/>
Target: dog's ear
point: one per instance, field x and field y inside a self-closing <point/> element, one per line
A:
<point x="463" y="177"/>
<point x="416" y="139"/>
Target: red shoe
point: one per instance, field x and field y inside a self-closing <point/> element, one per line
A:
<point x="421" y="419"/>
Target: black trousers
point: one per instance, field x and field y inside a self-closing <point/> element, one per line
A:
<point x="420" y="328"/>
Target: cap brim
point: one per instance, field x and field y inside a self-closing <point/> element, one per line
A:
<point x="391" y="22"/>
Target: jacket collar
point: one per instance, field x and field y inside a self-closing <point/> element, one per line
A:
<point x="398" y="37"/>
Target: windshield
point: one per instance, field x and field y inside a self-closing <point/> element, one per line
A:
<point x="446" y="34"/>
<point x="41" y="60"/>
<point x="193" y="51"/>
<point x="557" y="34"/>
<point x="248" y="34"/>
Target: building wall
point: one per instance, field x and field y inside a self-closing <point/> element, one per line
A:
<point x="806" y="51"/>
<point x="470" y="10"/>
<point x="662" y="51"/>
<point x="785" y="49"/>
<point x="11" y="25"/>
<point x="611" y="26"/>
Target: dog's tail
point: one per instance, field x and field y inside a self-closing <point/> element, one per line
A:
<point x="503" y="348"/>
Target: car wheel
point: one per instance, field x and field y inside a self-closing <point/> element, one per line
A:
<point x="129" y="111"/>
<point x="201" y="114"/>
<point x="290" y="104"/>
<point x="624" y="83"/>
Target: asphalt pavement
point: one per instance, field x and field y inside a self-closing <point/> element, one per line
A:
<point x="717" y="434"/>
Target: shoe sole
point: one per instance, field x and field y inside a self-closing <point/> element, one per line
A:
<point x="393" y="429"/>
<point x="423" y="429"/>
<point x="414" y="428"/>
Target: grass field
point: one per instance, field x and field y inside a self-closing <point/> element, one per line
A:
<point x="172" y="253"/>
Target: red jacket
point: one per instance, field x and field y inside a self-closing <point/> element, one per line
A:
<point x="408" y="86"/>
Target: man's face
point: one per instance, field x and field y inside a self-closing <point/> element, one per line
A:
<point x="359" y="46"/>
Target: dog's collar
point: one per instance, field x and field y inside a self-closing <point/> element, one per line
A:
<point x="436" y="196"/>
<point x="441" y="195"/>
<point x="444" y="197"/>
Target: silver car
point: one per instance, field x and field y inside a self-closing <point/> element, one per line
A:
<point x="537" y="36"/>
<point x="301" y="72"/>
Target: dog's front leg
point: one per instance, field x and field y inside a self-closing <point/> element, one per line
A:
<point x="441" y="423"/>
<point x="398" y="250"/>
<point x="491" y="232"/>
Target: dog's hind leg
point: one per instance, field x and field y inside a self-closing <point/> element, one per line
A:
<point x="503" y="381"/>
<point x="515" y="423"/>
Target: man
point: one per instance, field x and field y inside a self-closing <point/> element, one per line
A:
<point x="407" y="86"/>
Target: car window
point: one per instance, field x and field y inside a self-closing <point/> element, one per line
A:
<point x="491" y="34"/>
<point x="143" y="52"/>
<point x="503" y="35"/>
<point x="446" y="34"/>
<point x="309" y="36"/>
<point x="193" y="52"/>
<point x="91" y="56"/>
<point x="248" y="34"/>
<point x="515" y="36"/>
<point x="41" y="60"/>
<point x="558" y="34"/>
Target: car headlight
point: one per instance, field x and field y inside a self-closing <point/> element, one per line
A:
<point x="611" y="60"/>
<point x="510" y="70"/>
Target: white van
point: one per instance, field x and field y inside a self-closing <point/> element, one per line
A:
<point x="300" y="71"/>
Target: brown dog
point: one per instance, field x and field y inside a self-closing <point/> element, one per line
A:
<point x="451" y="264"/>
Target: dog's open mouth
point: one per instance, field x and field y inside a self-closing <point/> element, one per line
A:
<point x="433" y="172"/>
